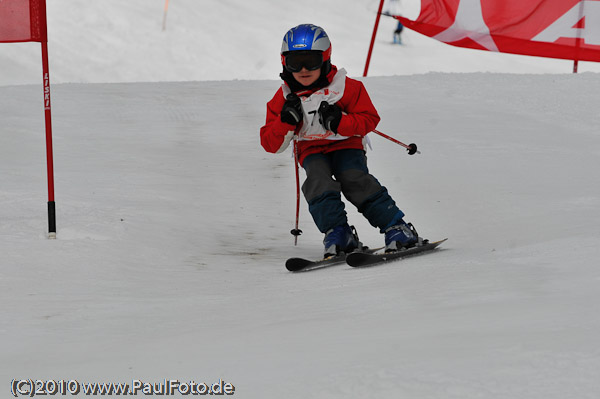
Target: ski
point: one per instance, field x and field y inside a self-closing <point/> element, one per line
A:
<point x="361" y="259"/>
<point x="301" y="264"/>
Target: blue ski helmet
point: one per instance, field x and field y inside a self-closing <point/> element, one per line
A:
<point x="306" y="37"/>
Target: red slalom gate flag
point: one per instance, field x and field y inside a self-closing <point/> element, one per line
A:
<point x="567" y="29"/>
<point x="25" y="21"/>
<point x="22" y="21"/>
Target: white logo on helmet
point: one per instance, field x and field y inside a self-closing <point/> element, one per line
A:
<point x="301" y="45"/>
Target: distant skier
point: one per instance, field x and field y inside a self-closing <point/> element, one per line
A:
<point x="329" y="114"/>
<point x="394" y="8"/>
<point x="398" y="32"/>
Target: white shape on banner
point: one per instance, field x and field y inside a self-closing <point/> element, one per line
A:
<point x="468" y="23"/>
<point x="565" y="26"/>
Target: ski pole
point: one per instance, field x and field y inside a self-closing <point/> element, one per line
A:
<point x="296" y="231"/>
<point x="411" y="148"/>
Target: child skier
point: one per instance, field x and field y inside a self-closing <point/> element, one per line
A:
<point x="329" y="114"/>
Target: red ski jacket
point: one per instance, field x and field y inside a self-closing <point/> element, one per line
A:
<point x="359" y="117"/>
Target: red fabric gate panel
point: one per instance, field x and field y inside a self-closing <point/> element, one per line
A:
<point x="22" y="21"/>
<point x="568" y="29"/>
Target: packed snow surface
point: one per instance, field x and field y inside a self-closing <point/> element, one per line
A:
<point x="173" y="222"/>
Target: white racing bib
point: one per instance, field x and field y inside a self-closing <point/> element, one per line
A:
<point x="311" y="129"/>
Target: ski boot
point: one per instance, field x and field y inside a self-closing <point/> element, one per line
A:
<point x="401" y="236"/>
<point x="340" y="239"/>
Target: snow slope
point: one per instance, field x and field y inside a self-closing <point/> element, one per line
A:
<point x="173" y="227"/>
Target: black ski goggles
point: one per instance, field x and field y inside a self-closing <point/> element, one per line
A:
<point x="296" y="60"/>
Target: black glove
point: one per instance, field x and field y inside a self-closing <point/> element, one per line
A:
<point x="330" y="116"/>
<point x="292" y="110"/>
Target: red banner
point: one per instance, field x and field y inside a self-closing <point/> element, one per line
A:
<point x="22" y="21"/>
<point x="568" y="29"/>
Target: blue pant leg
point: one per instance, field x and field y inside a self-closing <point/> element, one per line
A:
<point x="381" y="210"/>
<point x="323" y="193"/>
<point x="363" y="190"/>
